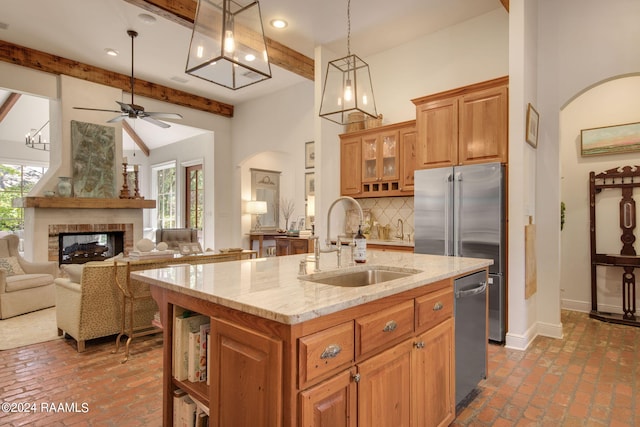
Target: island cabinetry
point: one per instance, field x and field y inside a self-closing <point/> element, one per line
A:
<point x="403" y="372"/>
<point x="466" y="125"/>
<point x="378" y="162"/>
<point x="386" y="362"/>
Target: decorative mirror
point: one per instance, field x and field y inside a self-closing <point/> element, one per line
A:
<point x="265" y="186"/>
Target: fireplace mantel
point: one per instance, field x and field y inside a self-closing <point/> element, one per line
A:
<point x="82" y="203"/>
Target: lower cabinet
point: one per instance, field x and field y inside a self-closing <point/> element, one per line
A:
<point x="245" y="375"/>
<point x="388" y="362"/>
<point x="410" y="384"/>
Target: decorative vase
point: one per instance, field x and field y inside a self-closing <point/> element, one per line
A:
<point x="64" y="186"/>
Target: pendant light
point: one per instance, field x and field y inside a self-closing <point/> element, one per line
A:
<point x="227" y="45"/>
<point x="347" y="96"/>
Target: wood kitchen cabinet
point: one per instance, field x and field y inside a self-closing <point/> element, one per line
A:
<point x="388" y="362"/>
<point x="466" y="125"/>
<point x="378" y="162"/>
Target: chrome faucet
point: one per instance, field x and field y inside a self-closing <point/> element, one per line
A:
<point x="338" y="248"/>
<point x="400" y="229"/>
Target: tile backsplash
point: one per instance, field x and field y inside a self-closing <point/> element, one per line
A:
<point x="387" y="210"/>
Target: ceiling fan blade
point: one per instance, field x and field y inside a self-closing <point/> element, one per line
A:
<point x="117" y="118"/>
<point x="155" y="122"/>
<point x="97" y="109"/>
<point x="163" y="115"/>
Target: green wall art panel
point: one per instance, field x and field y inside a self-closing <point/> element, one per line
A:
<point x="93" y="160"/>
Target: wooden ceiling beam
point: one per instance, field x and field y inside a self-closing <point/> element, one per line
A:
<point x="136" y="138"/>
<point x="505" y="3"/>
<point x="8" y="105"/>
<point x="183" y="12"/>
<point x="42" y="61"/>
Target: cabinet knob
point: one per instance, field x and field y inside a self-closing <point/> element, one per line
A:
<point x="331" y="351"/>
<point x="356" y="377"/>
<point x="390" y="326"/>
<point x="438" y="306"/>
<point x="419" y="344"/>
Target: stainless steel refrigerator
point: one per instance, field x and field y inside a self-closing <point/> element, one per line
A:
<point x="460" y="211"/>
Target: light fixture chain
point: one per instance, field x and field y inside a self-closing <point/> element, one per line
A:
<point x="348" y="27"/>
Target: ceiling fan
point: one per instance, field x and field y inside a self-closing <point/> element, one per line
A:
<point x="132" y="110"/>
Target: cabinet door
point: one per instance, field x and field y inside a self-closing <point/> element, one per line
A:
<point x="282" y="246"/>
<point x="388" y="156"/>
<point x="483" y="126"/>
<point x="331" y="403"/>
<point x="437" y="124"/>
<point x="350" y="166"/>
<point x="246" y="377"/>
<point x="433" y="388"/>
<point x="298" y="246"/>
<point x="384" y="389"/>
<point x="408" y="138"/>
<point x="370" y="155"/>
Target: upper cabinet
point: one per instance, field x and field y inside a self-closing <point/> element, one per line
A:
<point x="463" y="126"/>
<point x="378" y="162"/>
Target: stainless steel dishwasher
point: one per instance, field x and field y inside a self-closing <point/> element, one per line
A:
<point x="470" y="310"/>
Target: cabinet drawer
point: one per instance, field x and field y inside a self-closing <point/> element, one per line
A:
<point x="377" y="330"/>
<point x="433" y="308"/>
<point x="324" y="351"/>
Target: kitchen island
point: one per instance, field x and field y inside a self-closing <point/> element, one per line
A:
<point x="290" y="351"/>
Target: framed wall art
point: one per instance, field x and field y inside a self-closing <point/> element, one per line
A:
<point x="610" y="139"/>
<point x="309" y="155"/>
<point x="532" y="126"/>
<point x="309" y="184"/>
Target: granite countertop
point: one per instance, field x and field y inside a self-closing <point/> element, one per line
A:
<point x="271" y="288"/>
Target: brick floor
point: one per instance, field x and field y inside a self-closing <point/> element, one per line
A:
<point x="589" y="378"/>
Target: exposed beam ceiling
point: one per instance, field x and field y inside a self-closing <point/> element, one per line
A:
<point x="505" y="3"/>
<point x="42" y="61"/>
<point x="183" y="12"/>
<point x="135" y="137"/>
<point x="8" y="104"/>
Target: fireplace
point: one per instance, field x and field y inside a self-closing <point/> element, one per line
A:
<point x="79" y="248"/>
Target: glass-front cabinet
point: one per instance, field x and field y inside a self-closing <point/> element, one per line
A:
<point x="380" y="157"/>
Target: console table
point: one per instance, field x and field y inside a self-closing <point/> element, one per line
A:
<point x="261" y="236"/>
<point x="623" y="179"/>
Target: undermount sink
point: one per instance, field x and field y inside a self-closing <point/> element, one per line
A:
<point x="359" y="276"/>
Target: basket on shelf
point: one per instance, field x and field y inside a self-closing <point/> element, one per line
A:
<point x="356" y="122"/>
<point x="373" y="122"/>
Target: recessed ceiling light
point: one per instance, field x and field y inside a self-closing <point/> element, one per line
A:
<point x="279" y="23"/>
<point x="146" y="18"/>
<point x="111" y="52"/>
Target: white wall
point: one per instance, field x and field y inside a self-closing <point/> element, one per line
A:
<point x="610" y="103"/>
<point x="270" y="133"/>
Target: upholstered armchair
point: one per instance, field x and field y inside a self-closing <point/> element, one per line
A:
<point x="89" y="302"/>
<point x="174" y="236"/>
<point x="24" y="286"/>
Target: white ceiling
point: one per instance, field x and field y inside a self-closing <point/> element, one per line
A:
<point x="82" y="29"/>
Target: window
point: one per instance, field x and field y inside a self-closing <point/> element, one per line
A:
<point x="16" y="181"/>
<point x="194" y="196"/>
<point x="164" y="179"/>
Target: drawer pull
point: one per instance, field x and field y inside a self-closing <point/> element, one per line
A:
<point x="331" y="351"/>
<point x="438" y="306"/>
<point x="419" y="344"/>
<point x="390" y="326"/>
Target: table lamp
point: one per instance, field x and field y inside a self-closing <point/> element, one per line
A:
<point x="257" y="208"/>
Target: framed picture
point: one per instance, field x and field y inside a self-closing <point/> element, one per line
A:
<point x="610" y="139"/>
<point x="309" y="184"/>
<point x="532" y="126"/>
<point x="190" y="248"/>
<point x="294" y="226"/>
<point x="309" y="155"/>
<point x="301" y="223"/>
